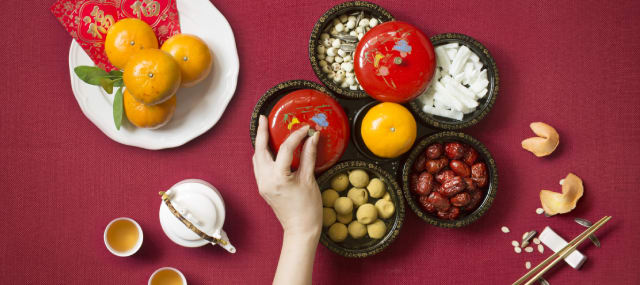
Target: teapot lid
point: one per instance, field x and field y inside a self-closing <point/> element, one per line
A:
<point x="201" y="204"/>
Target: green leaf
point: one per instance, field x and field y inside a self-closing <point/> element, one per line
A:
<point x="117" y="108"/>
<point x="118" y="82"/>
<point x="90" y="74"/>
<point x="107" y="85"/>
<point x="115" y="73"/>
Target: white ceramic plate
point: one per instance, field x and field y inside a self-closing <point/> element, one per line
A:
<point x="198" y="108"/>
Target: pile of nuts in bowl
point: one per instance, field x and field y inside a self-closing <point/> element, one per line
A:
<point x="337" y="44"/>
<point x="367" y="198"/>
<point x="448" y="180"/>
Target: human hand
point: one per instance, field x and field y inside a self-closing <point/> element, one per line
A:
<point x="293" y="196"/>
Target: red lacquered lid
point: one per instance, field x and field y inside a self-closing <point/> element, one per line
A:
<point x="394" y="62"/>
<point x="318" y="110"/>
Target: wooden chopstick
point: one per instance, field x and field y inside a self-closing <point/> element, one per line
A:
<point x="561" y="254"/>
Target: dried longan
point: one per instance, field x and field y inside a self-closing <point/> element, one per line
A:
<point x="359" y="178"/>
<point x="359" y="196"/>
<point x="337" y="232"/>
<point x="328" y="217"/>
<point x="357" y="230"/>
<point x="385" y="208"/>
<point x="343" y="206"/>
<point x="376" y="229"/>
<point x="345" y="219"/>
<point x="340" y="182"/>
<point x="366" y="214"/>
<point x="376" y="188"/>
<point x="329" y="197"/>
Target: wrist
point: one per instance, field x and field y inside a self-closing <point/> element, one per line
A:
<point x="310" y="234"/>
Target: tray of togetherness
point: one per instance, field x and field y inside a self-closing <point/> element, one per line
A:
<point x="388" y="112"/>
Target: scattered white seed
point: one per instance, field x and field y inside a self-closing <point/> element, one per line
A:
<point x="329" y="59"/>
<point x="524" y="235"/>
<point x="341" y="52"/>
<point x="347" y="66"/>
<point x="364" y="22"/>
<point x="536" y="240"/>
<point x="331" y="51"/>
<point x="353" y="33"/>
<point x="340" y="27"/>
<point x="347" y="58"/>
<point x="515" y="243"/>
<point x="351" y="24"/>
<point x="373" y="22"/>
<point x="527" y="265"/>
<point x="539" y="211"/>
<point x="350" y="81"/>
<point x="353" y="87"/>
<point x="336" y="43"/>
<point x="505" y="229"/>
<point x="528" y="249"/>
<point x="338" y="59"/>
<point x="352" y="19"/>
<point x="517" y="249"/>
<point x="359" y="30"/>
<point x="561" y="181"/>
<point x="541" y="248"/>
<point x="335" y="66"/>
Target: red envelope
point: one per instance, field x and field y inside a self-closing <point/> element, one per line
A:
<point x="87" y="21"/>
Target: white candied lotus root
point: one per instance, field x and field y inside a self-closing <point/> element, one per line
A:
<point x="545" y="143"/>
<point x="560" y="203"/>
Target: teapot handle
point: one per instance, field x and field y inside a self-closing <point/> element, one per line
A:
<point x="228" y="247"/>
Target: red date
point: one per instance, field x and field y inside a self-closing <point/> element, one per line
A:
<point x="413" y="183"/>
<point x="440" y="203"/>
<point x="426" y="205"/>
<point x="476" y="197"/>
<point x="453" y="186"/>
<point x="454" y="150"/>
<point x="445" y="176"/>
<point x="434" y="166"/>
<point x="425" y="184"/>
<point x="450" y="214"/>
<point x="479" y="174"/>
<point x="470" y="156"/>
<point x="460" y="168"/>
<point x="471" y="185"/>
<point x="460" y="200"/>
<point x="419" y="165"/>
<point x="434" y="151"/>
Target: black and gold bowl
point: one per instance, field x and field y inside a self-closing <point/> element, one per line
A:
<point x="322" y="26"/>
<point x="485" y="104"/>
<point x="489" y="193"/>
<point x="365" y="246"/>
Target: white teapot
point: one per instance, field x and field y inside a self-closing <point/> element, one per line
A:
<point x="192" y="214"/>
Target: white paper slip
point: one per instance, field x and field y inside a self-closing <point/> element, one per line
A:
<point x="555" y="242"/>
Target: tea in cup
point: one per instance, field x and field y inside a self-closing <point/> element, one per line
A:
<point x="123" y="237"/>
<point x="167" y="276"/>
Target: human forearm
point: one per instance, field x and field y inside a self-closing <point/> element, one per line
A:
<point x="296" y="258"/>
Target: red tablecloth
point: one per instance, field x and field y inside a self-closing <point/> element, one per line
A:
<point x="572" y="64"/>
